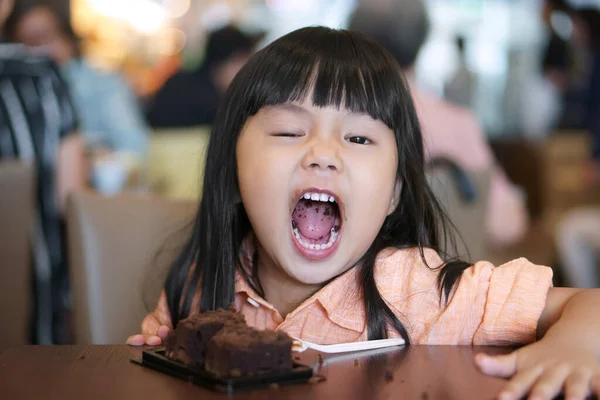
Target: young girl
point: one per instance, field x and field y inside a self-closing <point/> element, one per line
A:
<point x="316" y="219"/>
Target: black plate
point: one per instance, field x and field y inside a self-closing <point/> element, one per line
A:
<point x="156" y="360"/>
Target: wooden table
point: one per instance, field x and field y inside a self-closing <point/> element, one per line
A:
<point x="104" y="372"/>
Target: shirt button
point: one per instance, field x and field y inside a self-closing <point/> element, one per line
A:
<point x="253" y="302"/>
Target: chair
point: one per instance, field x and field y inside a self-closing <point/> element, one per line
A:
<point x="524" y="164"/>
<point x="464" y="197"/>
<point x="120" y="249"/>
<point x="176" y="162"/>
<point x="17" y="205"/>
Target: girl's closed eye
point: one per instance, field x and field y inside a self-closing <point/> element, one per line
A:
<point x="287" y="134"/>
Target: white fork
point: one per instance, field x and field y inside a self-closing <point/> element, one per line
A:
<point x="300" y="345"/>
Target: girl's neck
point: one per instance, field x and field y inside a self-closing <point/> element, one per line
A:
<point x="282" y="291"/>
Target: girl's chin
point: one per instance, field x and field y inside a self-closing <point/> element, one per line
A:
<point x="307" y="277"/>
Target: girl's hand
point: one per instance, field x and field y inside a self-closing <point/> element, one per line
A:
<point x="153" y="333"/>
<point x="545" y="369"/>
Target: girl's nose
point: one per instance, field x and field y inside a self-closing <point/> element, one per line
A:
<point x="323" y="155"/>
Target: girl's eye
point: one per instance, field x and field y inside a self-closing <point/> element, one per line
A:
<point x="359" y="140"/>
<point x="286" y="134"/>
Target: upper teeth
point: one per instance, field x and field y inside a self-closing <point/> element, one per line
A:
<point x="318" y="197"/>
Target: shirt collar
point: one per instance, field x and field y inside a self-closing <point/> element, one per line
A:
<point x="341" y="298"/>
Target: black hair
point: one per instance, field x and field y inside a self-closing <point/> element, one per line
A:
<point x="460" y="43"/>
<point x="401" y="29"/>
<point x="557" y="55"/>
<point x="20" y="9"/>
<point x="590" y="16"/>
<point x="559" y="5"/>
<point x="225" y="42"/>
<point x="337" y="68"/>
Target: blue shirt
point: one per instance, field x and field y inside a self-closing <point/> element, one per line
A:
<point x="108" y="111"/>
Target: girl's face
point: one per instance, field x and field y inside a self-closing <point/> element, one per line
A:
<point x="317" y="185"/>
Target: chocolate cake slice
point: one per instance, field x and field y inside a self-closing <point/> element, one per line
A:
<point x="243" y="351"/>
<point x="187" y="343"/>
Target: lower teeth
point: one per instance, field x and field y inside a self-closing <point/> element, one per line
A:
<point x="332" y="238"/>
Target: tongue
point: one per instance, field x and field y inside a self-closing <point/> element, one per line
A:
<point x="314" y="219"/>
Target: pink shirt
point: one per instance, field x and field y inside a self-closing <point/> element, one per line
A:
<point x="453" y="132"/>
<point x="490" y="306"/>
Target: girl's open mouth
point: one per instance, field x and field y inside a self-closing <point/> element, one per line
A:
<point x="316" y="224"/>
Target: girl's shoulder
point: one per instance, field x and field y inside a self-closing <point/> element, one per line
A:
<point x="487" y="305"/>
<point x="404" y="268"/>
<point x="427" y="264"/>
<point x="411" y="258"/>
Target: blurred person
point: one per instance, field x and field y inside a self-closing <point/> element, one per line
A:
<point x="110" y="116"/>
<point x="460" y="89"/>
<point x="190" y="98"/>
<point x="544" y="93"/>
<point x="38" y="125"/>
<point x="578" y="233"/>
<point x="578" y="245"/>
<point x="542" y="98"/>
<point x="587" y="34"/>
<point x="449" y="131"/>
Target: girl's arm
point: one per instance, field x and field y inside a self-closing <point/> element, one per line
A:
<point x="557" y="303"/>
<point x="155" y="327"/>
<point x="566" y="358"/>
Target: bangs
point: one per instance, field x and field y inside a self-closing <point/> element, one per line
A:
<point x="339" y="69"/>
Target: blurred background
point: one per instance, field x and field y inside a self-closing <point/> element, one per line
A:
<point x="503" y="41"/>
<point x="145" y="77"/>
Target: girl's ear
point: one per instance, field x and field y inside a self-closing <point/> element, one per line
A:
<point x="395" y="196"/>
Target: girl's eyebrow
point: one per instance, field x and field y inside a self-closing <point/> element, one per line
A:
<point x="294" y="108"/>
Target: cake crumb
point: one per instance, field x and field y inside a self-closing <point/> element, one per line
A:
<point x="236" y="373"/>
<point x="389" y="376"/>
<point x="82" y="358"/>
<point x="320" y="359"/>
<point x="424" y="396"/>
<point x="316" y="379"/>
<point x="274" y="386"/>
<point x="356" y="363"/>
